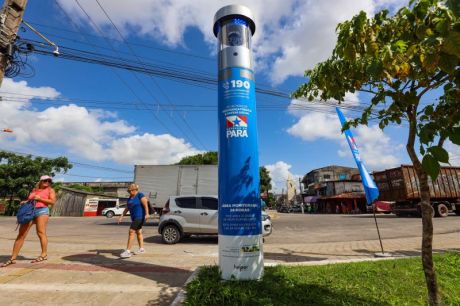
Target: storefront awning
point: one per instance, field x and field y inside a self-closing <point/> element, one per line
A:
<point x="310" y="199"/>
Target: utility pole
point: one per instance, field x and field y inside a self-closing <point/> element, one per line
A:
<point x="10" y="19"/>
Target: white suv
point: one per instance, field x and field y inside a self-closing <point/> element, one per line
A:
<point x="183" y="216"/>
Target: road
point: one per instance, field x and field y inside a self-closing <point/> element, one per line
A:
<point x="298" y="228"/>
<point x="84" y="267"/>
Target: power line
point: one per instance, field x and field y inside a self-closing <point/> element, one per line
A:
<point x="97" y="104"/>
<point x="84" y="165"/>
<point x="156" y="84"/>
<point x="188" y="54"/>
<point x="116" y="73"/>
<point x="175" y="75"/>
<point x="134" y="74"/>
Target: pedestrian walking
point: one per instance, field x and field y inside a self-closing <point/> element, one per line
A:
<point x="44" y="196"/>
<point x="139" y="212"/>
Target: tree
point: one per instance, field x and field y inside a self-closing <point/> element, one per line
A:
<point x="208" y="158"/>
<point x="19" y="174"/>
<point x="265" y="180"/>
<point x="401" y="61"/>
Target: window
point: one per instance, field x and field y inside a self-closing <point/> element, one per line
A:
<point x="186" y="202"/>
<point x="327" y="176"/>
<point x="209" y="203"/>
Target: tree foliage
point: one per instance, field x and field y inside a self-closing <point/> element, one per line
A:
<point x="19" y="174"/>
<point x="409" y="64"/>
<point x="265" y="180"/>
<point x="208" y="158"/>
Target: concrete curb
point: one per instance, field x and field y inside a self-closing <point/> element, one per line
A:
<point x="334" y="261"/>
<point x="180" y="297"/>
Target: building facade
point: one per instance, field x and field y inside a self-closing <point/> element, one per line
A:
<point x="334" y="189"/>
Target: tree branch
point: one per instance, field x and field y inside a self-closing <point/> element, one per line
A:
<point x="368" y="91"/>
<point x="441" y="141"/>
<point x="434" y="85"/>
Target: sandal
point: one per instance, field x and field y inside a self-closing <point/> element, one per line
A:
<point x="10" y="261"/>
<point x="39" y="259"/>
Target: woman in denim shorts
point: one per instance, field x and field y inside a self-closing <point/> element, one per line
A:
<point x="43" y="195"/>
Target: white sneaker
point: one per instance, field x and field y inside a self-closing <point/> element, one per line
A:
<point x="139" y="251"/>
<point x="126" y="254"/>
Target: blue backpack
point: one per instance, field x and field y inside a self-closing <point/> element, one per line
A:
<point x="26" y="212"/>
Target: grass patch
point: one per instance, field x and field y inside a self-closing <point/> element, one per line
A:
<point x="389" y="282"/>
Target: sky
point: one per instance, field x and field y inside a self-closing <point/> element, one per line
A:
<point x="105" y="120"/>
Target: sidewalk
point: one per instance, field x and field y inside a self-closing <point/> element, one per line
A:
<point x="84" y="267"/>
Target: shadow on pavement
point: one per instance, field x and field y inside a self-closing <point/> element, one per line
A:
<point x="149" y="223"/>
<point x="189" y="240"/>
<point x="167" y="276"/>
<point x="4" y="258"/>
<point x="378" y="216"/>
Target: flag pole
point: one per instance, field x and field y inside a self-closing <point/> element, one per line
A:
<point x="383" y="254"/>
<point x="377" y="226"/>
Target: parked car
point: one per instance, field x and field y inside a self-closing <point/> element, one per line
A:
<point x="184" y="216"/>
<point x="284" y="209"/>
<point x="385" y="207"/>
<point x="114" y="211"/>
<point x="296" y="208"/>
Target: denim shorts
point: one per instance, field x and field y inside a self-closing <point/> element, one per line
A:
<point x="41" y="211"/>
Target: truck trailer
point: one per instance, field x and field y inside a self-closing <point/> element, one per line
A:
<point x="401" y="185"/>
<point x="159" y="182"/>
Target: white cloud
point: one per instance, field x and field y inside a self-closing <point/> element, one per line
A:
<point x="376" y="148"/>
<point x="150" y="149"/>
<point x="316" y="120"/>
<point x="291" y="35"/>
<point x="454" y="153"/>
<point x="91" y="134"/>
<point x="315" y="126"/>
<point x="10" y="87"/>
<point x="279" y="173"/>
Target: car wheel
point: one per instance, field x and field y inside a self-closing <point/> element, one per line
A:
<point x="170" y="234"/>
<point x="110" y="214"/>
<point x="441" y="211"/>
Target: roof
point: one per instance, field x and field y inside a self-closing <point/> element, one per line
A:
<point x="70" y="190"/>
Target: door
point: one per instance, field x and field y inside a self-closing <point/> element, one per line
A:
<point x="187" y="213"/>
<point x="208" y="215"/>
<point x="187" y="183"/>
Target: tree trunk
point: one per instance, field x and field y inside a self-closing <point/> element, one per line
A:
<point x="434" y="297"/>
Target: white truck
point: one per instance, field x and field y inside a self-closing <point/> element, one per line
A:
<point x="159" y="182"/>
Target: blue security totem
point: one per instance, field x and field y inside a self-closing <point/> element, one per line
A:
<point x="240" y="241"/>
